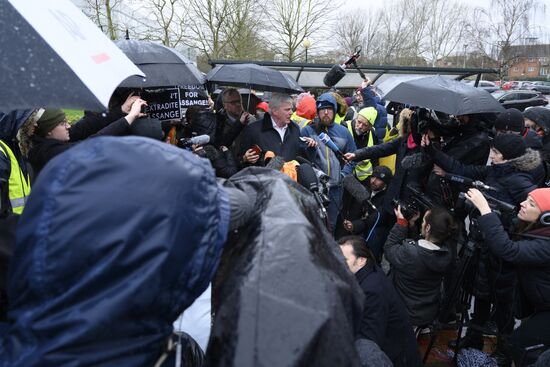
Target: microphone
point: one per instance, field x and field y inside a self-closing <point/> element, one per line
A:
<point x="308" y="179"/>
<point x="357" y="190"/>
<point x="196" y="140"/>
<point x="329" y="143"/>
<point x="468" y="182"/>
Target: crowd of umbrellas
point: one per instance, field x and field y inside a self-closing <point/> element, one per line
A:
<point x="55" y="57"/>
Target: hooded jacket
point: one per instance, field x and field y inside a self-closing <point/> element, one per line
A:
<point x="10" y="123"/>
<point x="370" y="99"/>
<point x="109" y="254"/>
<point x="322" y="155"/>
<point x="305" y="110"/>
<point x="512" y="179"/>
<point x="417" y="272"/>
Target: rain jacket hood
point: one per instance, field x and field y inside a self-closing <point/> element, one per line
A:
<point x="11" y="122"/>
<point x="327" y="99"/>
<point x="109" y="254"/>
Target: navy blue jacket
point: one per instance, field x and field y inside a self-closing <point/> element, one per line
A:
<point x="385" y="320"/>
<point x="118" y="237"/>
<point x="372" y="100"/>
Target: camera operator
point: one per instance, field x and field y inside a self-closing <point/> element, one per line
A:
<point x="530" y="253"/>
<point x="406" y="145"/>
<point x="509" y="174"/>
<point x="418" y="265"/>
<point x="204" y="123"/>
<point x="373" y="224"/>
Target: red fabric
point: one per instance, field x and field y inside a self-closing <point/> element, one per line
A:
<point x="402" y="222"/>
<point x="263" y="106"/>
<point x="542" y="198"/>
<point x="410" y="142"/>
<point x="306" y="108"/>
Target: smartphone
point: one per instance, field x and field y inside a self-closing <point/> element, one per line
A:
<point x="257" y="150"/>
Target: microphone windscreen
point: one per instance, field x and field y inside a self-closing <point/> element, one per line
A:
<point x="307" y="176"/>
<point x="334" y="75"/>
<point x="355" y="189"/>
<point x="200" y="140"/>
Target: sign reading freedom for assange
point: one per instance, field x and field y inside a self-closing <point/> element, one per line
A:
<point x="171" y="103"/>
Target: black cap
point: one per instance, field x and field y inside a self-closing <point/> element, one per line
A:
<point x="509" y="145"/>
<point x="383" y="173"/>
<point x="510" y="120"/>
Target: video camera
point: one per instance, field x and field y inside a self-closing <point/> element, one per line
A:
<point x="417" y="203"/>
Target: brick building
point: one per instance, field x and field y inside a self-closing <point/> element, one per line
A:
<point x="528" y="62"/>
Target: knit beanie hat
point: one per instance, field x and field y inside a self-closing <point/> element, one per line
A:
<point x="509" y="145"/>
<point x="383" y="173"/>
<point x="369" y="113"/>
<point x="542" y="198"/>
<point x="48" y="121"/>
<point x="510" y="120"/>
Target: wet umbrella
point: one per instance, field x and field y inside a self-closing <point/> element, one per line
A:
<point x="164" y="66"/>
<point x="54" y="56"/>
<point x="441" y="94"/>
<point x="253" y="76"/>
<point x="283" y="295"/>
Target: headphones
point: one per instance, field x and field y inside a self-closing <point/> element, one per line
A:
<point x="544" y="218"/>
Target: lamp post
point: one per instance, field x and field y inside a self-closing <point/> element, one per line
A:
<point x="306" y="44"/>
<point x="465" y="45"/>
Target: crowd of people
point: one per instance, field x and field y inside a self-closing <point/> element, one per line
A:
<point x="400" y="198"/>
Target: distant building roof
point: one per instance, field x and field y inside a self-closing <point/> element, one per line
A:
<point x="529" y="51"/>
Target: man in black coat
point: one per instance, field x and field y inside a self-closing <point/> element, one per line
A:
<point x="385" y="320"/>
<point x="275" y="133"/>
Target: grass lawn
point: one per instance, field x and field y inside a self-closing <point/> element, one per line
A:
<point x="73" y="115"/>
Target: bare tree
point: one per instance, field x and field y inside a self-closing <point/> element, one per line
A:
<point x="357" y="28"/>
<point x="292" y="21"/>
<point x="496" y="38"/>
<point x="168" y="21"/>
<point x="394" y="33"/>
<point x="101" y="12"/>
<point x="445" y="29"/>
<point x="242" y="30"/>
<point x="207" y="19"/>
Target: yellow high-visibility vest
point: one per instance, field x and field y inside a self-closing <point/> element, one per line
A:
<point x="363" y="169"/>
<point x="19" y="187"/>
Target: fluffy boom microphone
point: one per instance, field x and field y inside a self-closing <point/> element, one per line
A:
<point x="358" y="191"/>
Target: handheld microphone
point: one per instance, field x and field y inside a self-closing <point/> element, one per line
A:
<point x="329" y="143"/>
<point x="196" y="140"/>
<point x="308" y="179"/>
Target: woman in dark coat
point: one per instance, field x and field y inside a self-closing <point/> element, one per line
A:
<point x="530" y="254"/>
<point x="418" y="266"/>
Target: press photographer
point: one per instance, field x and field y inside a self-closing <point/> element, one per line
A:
<point x="529" y="251"/>
<point x="509" y="174"/>
<point x="418" y="264"/>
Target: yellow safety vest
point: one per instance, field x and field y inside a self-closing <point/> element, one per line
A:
<point x="18" y="185"/>
<point x="363" y="170"/>
<point x="339" y="119"/>
<point x="301" y="121"/>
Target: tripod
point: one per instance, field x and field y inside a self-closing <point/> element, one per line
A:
<point x="461" y="291"/>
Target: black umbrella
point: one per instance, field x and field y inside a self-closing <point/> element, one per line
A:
<point x="164" y="66"/>
<point x="54" y="56"/>
<point x="440" y="94"/>
<point x="253" y="76"/>
<point x="283" y="294"/>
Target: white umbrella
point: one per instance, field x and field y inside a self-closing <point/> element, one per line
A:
<point x="54" y="56"/>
